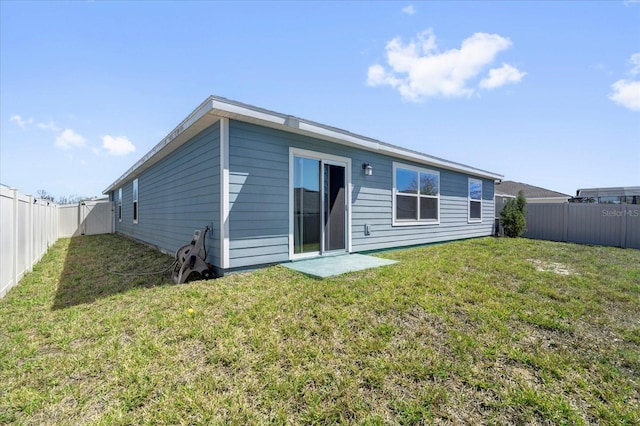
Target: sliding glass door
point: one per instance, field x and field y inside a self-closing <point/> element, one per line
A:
<point x="334" y="207"/>
<point x="319" y="200"/>
<point x="306" y="205"/>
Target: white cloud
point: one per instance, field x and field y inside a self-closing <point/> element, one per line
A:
<point x="409" y="10"/>
<point x="50" y="126"/>
<point x="500" y="76"/>
<point x="627" y="94"/>
<point x="377" y="76"/>
<point x="635" y="61"/>
<point x="20" y="121"/>
<point x="118" y="145"/>
<point x="68" y="138"/>
<point x="418" y="70"/>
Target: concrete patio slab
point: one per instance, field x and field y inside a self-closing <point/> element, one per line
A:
<point x="329" y="266"/>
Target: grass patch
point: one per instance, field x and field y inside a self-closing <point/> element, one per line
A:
<point x="477" y="331"/>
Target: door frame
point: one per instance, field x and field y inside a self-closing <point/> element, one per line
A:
<point x="323" y="207"/>
<point x="329" y="159"/>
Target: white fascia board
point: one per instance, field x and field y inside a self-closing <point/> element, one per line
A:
<point x="232" y="110"/>
<point x="243" y="112"/>
<point x="396" y="152"/>
<point x="224" y="108"/>
<point x="336" y="136"/>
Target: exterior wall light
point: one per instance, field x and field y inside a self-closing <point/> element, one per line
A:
<point x="368" y="170"/>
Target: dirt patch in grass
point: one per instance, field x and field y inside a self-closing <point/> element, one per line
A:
<point x="555" y="267"/>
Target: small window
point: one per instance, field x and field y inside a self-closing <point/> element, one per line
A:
<point x="120" y="205"/>
<point x="475" y="200"/>
<point x="416" y="195"/>
<point x="135" y="201"/>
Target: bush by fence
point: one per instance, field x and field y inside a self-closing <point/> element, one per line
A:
<point x="615" y="225"/>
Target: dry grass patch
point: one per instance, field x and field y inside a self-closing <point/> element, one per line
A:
<point x="555" y="267"/>
<point x="465" y="332"/>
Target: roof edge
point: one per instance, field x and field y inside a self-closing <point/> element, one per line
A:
<point x="223" y="107"/>
<point x="199" y="112"/>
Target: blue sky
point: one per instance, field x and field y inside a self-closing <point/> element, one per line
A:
<point x="546" y="93"/>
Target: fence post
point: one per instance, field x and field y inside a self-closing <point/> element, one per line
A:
<point x="14" y="233"/>
<point x="38" y="232"/>
<point x="82" y="225"/>
<point x="29" y="251"/>
<point x="565" y="222"/>
<point x="623" y="226"/>
<point x="49" y="227"/>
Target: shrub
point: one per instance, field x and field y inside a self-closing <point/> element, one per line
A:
<point x="512" y="216"/>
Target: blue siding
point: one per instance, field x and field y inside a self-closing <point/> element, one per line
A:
<point x="259" y="191"/>
<point x="258" y="195"/>
<point x="182" y="192"/>
<point x="372" y="204"/>
<point x="177" y="195"/>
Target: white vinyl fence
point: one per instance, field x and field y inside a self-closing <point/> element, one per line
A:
<point x="615" y="225"/>
<point x="86" y="218"/>
<point x="29" y="226"/>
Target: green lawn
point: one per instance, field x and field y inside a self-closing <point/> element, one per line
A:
<point x="478" y="331"/>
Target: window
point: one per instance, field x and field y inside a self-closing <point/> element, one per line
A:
<point x="120" y="205"/>
<point x="135" y="201"/>
<point x="416" y="195"/>
<point x="609" y="200"/>
<point x="475" y="200"/>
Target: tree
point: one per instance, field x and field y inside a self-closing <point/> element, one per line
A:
<point x="44" y="195"/>
<point x="72" y="199"/>
<point x="65" y="199"/>
<point x="513" y="216"/>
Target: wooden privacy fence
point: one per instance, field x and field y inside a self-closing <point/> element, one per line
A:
<point x="615" y="225"/>
<point x="29" y="226"/>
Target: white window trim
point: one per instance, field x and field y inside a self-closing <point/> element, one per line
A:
<point x="394" y="192"/>
<point x="120" y="205"/>
<point x="135" y="195"/>
<point x="469" y="219"/>
<point x="297" y="152"/>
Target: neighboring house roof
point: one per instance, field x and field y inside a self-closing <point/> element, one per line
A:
<point x="509" y="187"/>
<point x="214" y="108"/>
<point x="624" y="191"/>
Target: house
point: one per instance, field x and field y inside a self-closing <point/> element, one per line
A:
<point x="275" y="188"/>
<point x="534" y="194"/>
<point x="616" y="195"/>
